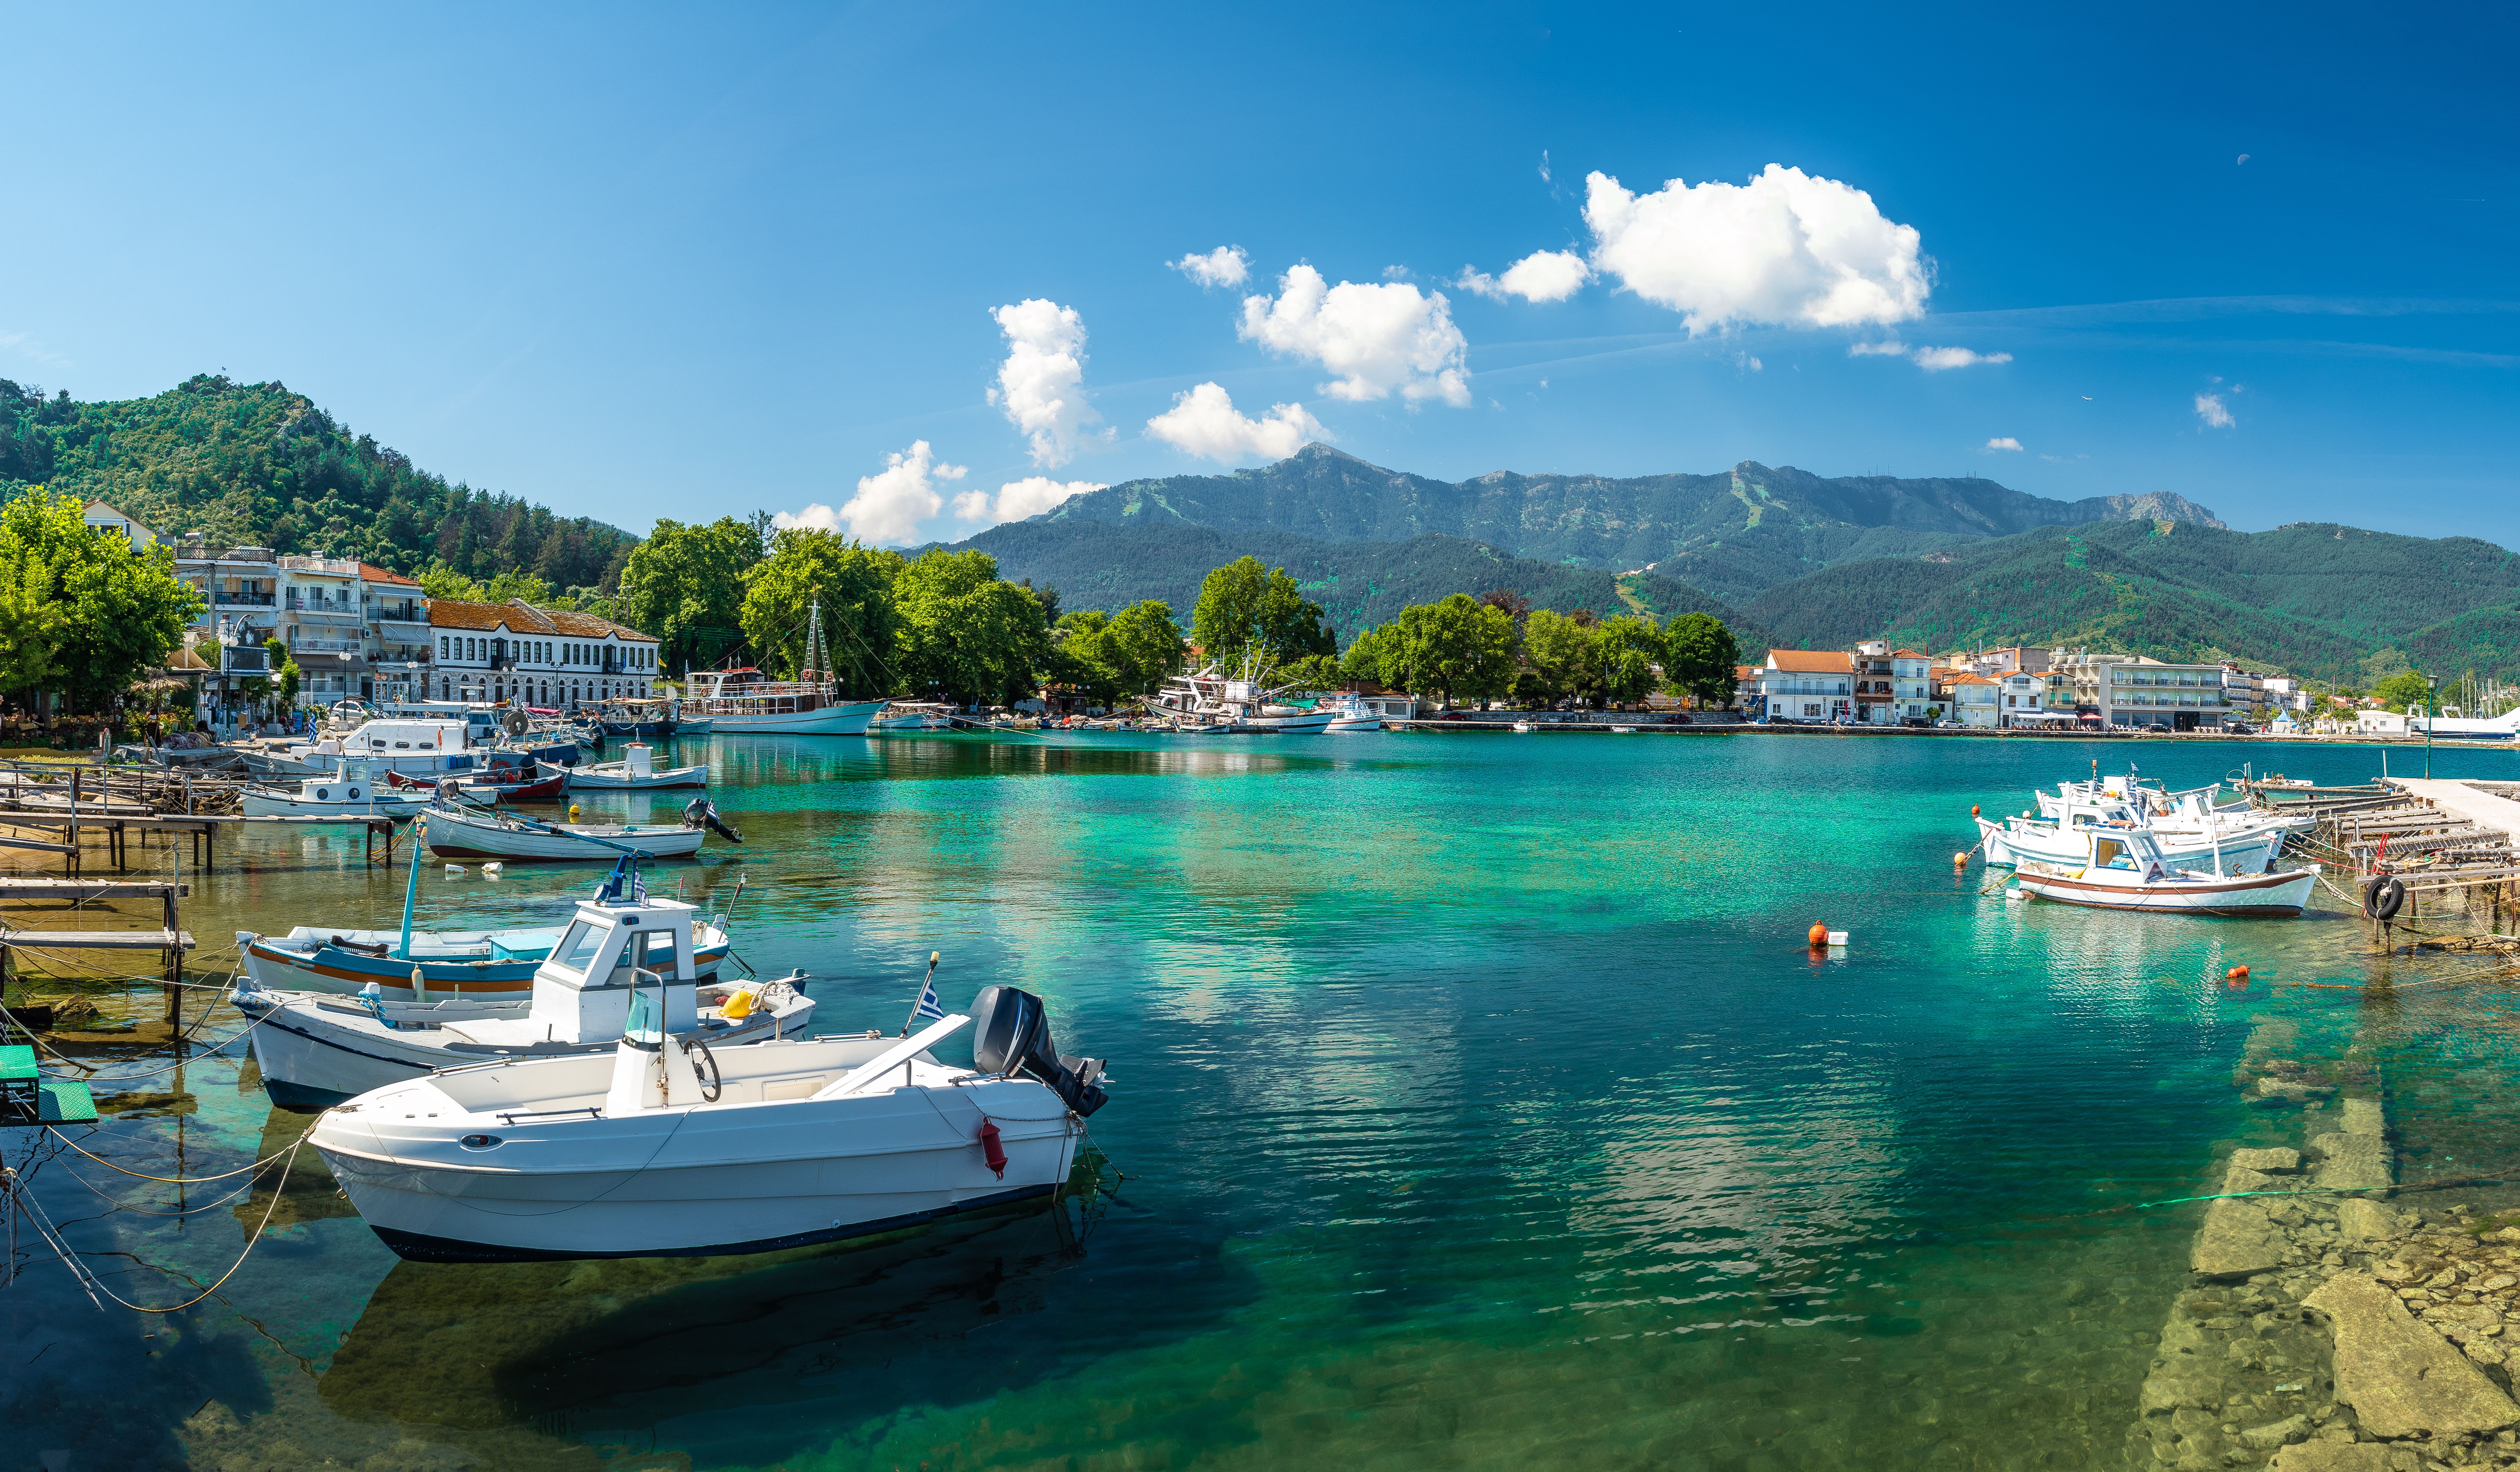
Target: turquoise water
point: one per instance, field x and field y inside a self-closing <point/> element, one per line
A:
<point x="1476" y="1103"/>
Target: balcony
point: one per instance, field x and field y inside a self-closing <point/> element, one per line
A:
<point x="327" y="645"/>
<point x="231" y="599"/>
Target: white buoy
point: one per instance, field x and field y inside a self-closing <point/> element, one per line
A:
<point x="455" y="868"/>
<point x="492" y="869"/>
<point x="1837" y="937"/>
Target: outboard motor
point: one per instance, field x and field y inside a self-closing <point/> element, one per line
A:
<point x="702" y="814"/>
<point x="1012" y="1035"/>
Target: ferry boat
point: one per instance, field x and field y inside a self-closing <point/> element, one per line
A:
<point x="740" y="703"/>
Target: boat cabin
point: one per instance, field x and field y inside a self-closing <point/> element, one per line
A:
<point x="612" y="949"/>
<point x="414" y="747"/>
<point x="2132" y="853"/>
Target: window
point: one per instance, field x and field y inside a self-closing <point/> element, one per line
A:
<point x="577" y="947"/>
<point x="441" y="646"/>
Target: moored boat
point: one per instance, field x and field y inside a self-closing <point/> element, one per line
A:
<point x="667" y="1147"/>
<point x="512" y="837"/>
<point x="637" y="770"/>
<point x="2125" y="871"/>
<point x="354" y="793"/>
<point x="315" y="1047"/>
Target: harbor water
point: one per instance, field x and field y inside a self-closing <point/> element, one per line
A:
<point x="1477" y="1102"/>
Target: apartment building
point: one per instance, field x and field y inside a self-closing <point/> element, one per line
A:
<point x="2132" y="689"/>
<point x="1807" y="685"/>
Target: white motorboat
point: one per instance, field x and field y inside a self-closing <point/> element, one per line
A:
<point x="511" y="836"/>
<point x="425" y="968"/>
<point x="2124" y="870"/>
<point x="317" y="1047"/>
<point x="637" y="768"/>
<point x="356" y="791"/>
<point x="667" y="1147"/>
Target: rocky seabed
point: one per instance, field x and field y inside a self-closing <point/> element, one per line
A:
<point x="2326" y="1329"/>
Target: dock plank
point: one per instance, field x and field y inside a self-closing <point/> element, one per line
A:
<point x="96" y="940"/>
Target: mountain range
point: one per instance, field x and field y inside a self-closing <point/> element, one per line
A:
<point x="1798" y="559"/>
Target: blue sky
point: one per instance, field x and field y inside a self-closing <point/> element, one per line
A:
<point x="639" y="262"/>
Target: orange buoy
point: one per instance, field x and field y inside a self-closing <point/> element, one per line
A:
<point x="1961" y="859"/>
<point x="1972" y="810"/>
<point x="1819" y="934"/>
<point x="2238" y="976"/>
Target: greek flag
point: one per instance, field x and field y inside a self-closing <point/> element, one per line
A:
<point x="929" y="1008"/>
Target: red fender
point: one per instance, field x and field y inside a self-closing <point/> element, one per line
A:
<point x="989" y="1144"/>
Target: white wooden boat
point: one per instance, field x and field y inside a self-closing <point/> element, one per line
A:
<point x="511" y="836"/>
<point x="318" y="1047"/>
<point x="357" y="791"/>
<point x="665" y="1147"/>
<point x="903" y="716"/>
<point x="2124" y="870"/>
<point x="637" y="770"/>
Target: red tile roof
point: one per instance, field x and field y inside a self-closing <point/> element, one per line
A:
<point x="522" y="617"/>
<point x="1811" y="661"/>
<point x="368" y="572"/>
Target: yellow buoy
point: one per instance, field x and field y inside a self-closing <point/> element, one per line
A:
<point x="572" y="812"/>
<point x="736" y="1007"/>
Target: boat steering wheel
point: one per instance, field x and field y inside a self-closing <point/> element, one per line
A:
<point x="716" y="1081"/>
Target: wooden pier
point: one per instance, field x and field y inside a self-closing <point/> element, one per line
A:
<point x="170" y="941"/>
<point x="2450" y="844"/>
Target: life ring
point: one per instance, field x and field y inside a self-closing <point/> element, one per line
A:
<point x="2383" y="897"/>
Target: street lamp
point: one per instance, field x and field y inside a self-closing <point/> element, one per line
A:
<point x="2431" y="703"/>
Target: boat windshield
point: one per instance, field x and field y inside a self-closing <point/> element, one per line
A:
<point x="2109" y="853"/>
<point x="577" y="947"/>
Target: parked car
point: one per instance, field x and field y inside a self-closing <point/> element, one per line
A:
<point x="1952" y="726"/>
<point x="1918" y="723"/>
<point x="2238" y="728"/>
<point x="1680" y="717"/>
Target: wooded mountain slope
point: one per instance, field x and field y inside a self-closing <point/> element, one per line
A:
<point x="2311" y="599"/>
<point x="1733" y="534"/>
<point x="1358" y="584"/>
<point x="256" y="464"/>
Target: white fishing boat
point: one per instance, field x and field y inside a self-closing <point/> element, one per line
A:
<point x="357" y="791"/>
<point x="637" y="768"/>
<point x="425" y="968"/>
<point x="514" y="837"/>
<point x="2124" y="870"/>
<point x="1351" y="712"/>
<point x="318" y="1047"/>
<point x="2251" y="850"/>
<point x="667" y="1147"/>
<point x="904" y="717"/>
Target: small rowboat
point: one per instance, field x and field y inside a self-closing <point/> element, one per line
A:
<point x="637" y="770"/>
<point x="351" y="794"/>
<point x="501" y="835"/>
<point x="545" y="788"/>
<point x="2124" y="870"/>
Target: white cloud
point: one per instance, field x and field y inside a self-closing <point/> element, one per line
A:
<point x="1224" y="266"/>
<point x="1937" y="359"/>
<point x="1544" y="167"/>
<point x="1018" y="500"/>
<point x="2004" y="443"/>
<point x="1541" y="276"/>
<point x="1378" y="339"/>
<point x="889" y="504"/>
<point x="1785" y="248"/>
<point x="1042" y="383"/>
<point x="2209" y="407"/>
<point x="1888" y="348"/>
<point x="1204" y="422"/>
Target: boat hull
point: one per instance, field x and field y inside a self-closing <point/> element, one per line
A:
<point x="731" y="1178"/>
<point x="1354" y="722"/>
<point x="2273" y="895"/>
<point x="375" y="805"/>
<point x="312" y="1059"/>
<point x="343" y="971"/>
<point x="587" y="780"/>
<point x="848" y="719"/>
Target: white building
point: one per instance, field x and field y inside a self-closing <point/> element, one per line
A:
<point x="2287" y="693"/>
<point x="400" y="642"/>
<point x="1912" y="684"/>
<point x="542" y="656"/>
<point x="322" y="616"/>
<point x="2131" y="689"/>
<point x="101" y="517"/>
<point x="1808" y="684"/>
<point x="1974" y="703"/>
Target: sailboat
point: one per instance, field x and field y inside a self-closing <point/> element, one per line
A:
<point x="740" y="701"/>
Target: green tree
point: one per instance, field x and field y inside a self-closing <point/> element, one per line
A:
<point x="853" y="584"/>
<point x="685" y="585"/>
<point x="439" y="581"/>
<point x="113" y="609"/>
<point x="1458" y="648"/>
<point x="966" y="635"/>
<point x="1563" y="655"/>
<point x="2402" y="689"/>
<point x="514" y="584"/>
<point x="1700" y="657"/>
<point x="1121" y="656"/>
<point x="1374" y="650"/>
<point x="1310" y="672"/>
<point x="1627" y="652"/>
<point x="1245" y="610"/>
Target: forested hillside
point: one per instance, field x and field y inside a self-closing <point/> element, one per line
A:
<point x="1358" y="584"/>
<point x="256" y="464"/>
<point x="1733" y="533"/>
<point x="2312" y="598"/>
